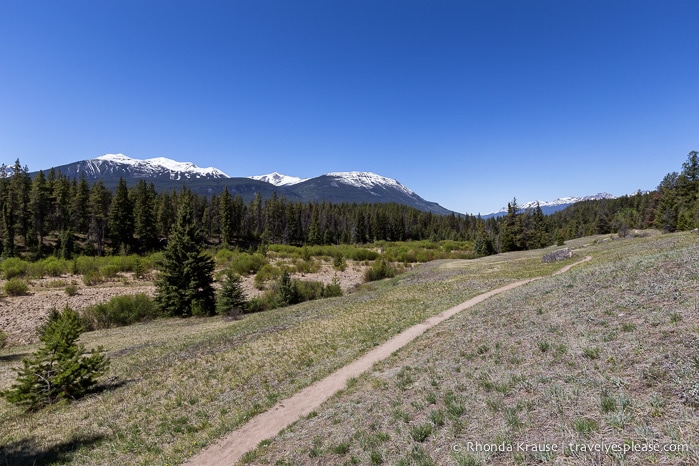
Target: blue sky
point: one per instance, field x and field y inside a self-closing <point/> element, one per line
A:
<point x="468" y="103"/>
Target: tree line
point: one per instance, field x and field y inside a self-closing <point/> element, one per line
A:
<point x="53" y="214"/>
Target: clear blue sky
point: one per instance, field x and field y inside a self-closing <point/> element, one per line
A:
<point x="468" y="103"/>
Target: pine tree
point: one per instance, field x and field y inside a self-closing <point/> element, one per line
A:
<point x="80" y="205"/>
<point x="231" y="296"/>
<point x="225" y="215"/>
<point x="184" y="286"/>
<point x="58" y="370"/>
<point x="19" y="199"/>
<point x="287" y="291"/>
<point x="8" y="231"/>
<point x="39" y="207"/>
<point x="313" y="236"/>
<point x="121" y="218"/>
<point x="99" y="214"/>
<point x="667" y="210"/>
<point x="144" y="215"/>
<point x="59" y="197"/>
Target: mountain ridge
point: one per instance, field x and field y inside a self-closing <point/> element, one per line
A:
<point x="337" y="187"/>
<point x="549" y="207"/>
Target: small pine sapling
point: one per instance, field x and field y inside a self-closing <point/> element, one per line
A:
<point x="57" y="370"/>
<point x="231" y="297"/>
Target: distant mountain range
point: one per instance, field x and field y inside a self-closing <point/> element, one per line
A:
<point x="166" y="174"/>
<point x="549" y="207"/>
<point x="336" y="187"/>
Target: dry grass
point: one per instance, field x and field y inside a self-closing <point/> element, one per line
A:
<point x="175" y="385"/>
<point x="513" y="369"/>
<point x="606" y="354"/>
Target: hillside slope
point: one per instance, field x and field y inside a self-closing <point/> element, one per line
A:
<point x="602" y="353"/>
<point x="605" y="355"/>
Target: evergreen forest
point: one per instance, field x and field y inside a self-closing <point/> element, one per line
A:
<point x="51" y="214"/>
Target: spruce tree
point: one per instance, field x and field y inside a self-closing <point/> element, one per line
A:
<point x="184" y="285"/>
<point x="144" y="215"/>
<point x="231" y="295"/>
<point x="58" y="370"/>
<point x="80" y="205"/>
<point x="99" y="202"/>
<point x="39" y="208"/>
<point x="121" y="218"/>
<point x="287" y="291"/>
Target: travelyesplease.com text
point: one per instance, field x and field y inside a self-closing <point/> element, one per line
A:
<point x="569" y="447"/>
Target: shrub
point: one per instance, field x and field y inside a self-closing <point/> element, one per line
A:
<point x="333" y="289"/>
<point x="266" y="273"/>
<point x="92" y="277"/>
<point x="16" y="287"/>
<point x="309" y="290"/>
<point x="248" y="264"/>
<point x="54" y="267"/>
<point x="109" y="271"/>
<point x="120" y="311"/>
<point x="258" y="304"/>
<point x="14" y="267"/>
<point x="57" y="370"/>
<point x="308" y="266"/>
<point x="379" y="270"/>
<point x="3" y="339"/>
<point x="83" y="265"/>
<point x="126" y="263"/>
<point x="72" y="289"/>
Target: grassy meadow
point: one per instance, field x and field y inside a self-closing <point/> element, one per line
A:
<point x="608" y="352"/>
<point x="175" y="385"/>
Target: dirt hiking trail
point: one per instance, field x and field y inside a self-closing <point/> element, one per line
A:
<point x="233" y="446"/>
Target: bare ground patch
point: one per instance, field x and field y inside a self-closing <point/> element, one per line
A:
<point x="21" y="315"/>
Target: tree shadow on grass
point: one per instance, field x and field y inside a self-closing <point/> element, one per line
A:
<point x="14" y="357"/>
<point x="27" y="452"/>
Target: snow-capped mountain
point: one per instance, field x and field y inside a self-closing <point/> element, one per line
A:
<point x="549" y="207"/>
<point x="277" y="179"/>
<point x="368" y="181"/>
<point x="119" y="165"/>
<point x="167" y="174"/>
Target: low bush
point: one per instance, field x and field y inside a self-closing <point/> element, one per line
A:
<point x="109" y="271"/>
<point x="3" y="339"/>
<point x="54" y="267"/>
<point x="333" y="289"/>
<point x="379" y="270"/>
<point x="309" y="290"/>
<point x="266" y="273"/>
<point x="56" y="284"/>
<point x="14" y="267"/>
<point x="120" y="311"/>
<point x="16" y="287"/>
<point x="92" y="277"/>
<point x="248" y="264"/>
<point x="83" y="265"/>
<point x="72" y="289"/>
<point x="307" y="266"/>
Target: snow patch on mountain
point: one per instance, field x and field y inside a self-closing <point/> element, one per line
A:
<point x="158" y="165"/>
<point x="557" y="204"/>
<point x="565" y="201"/>
<point x="368" y="180"/>
<point x="277" y="179"/>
